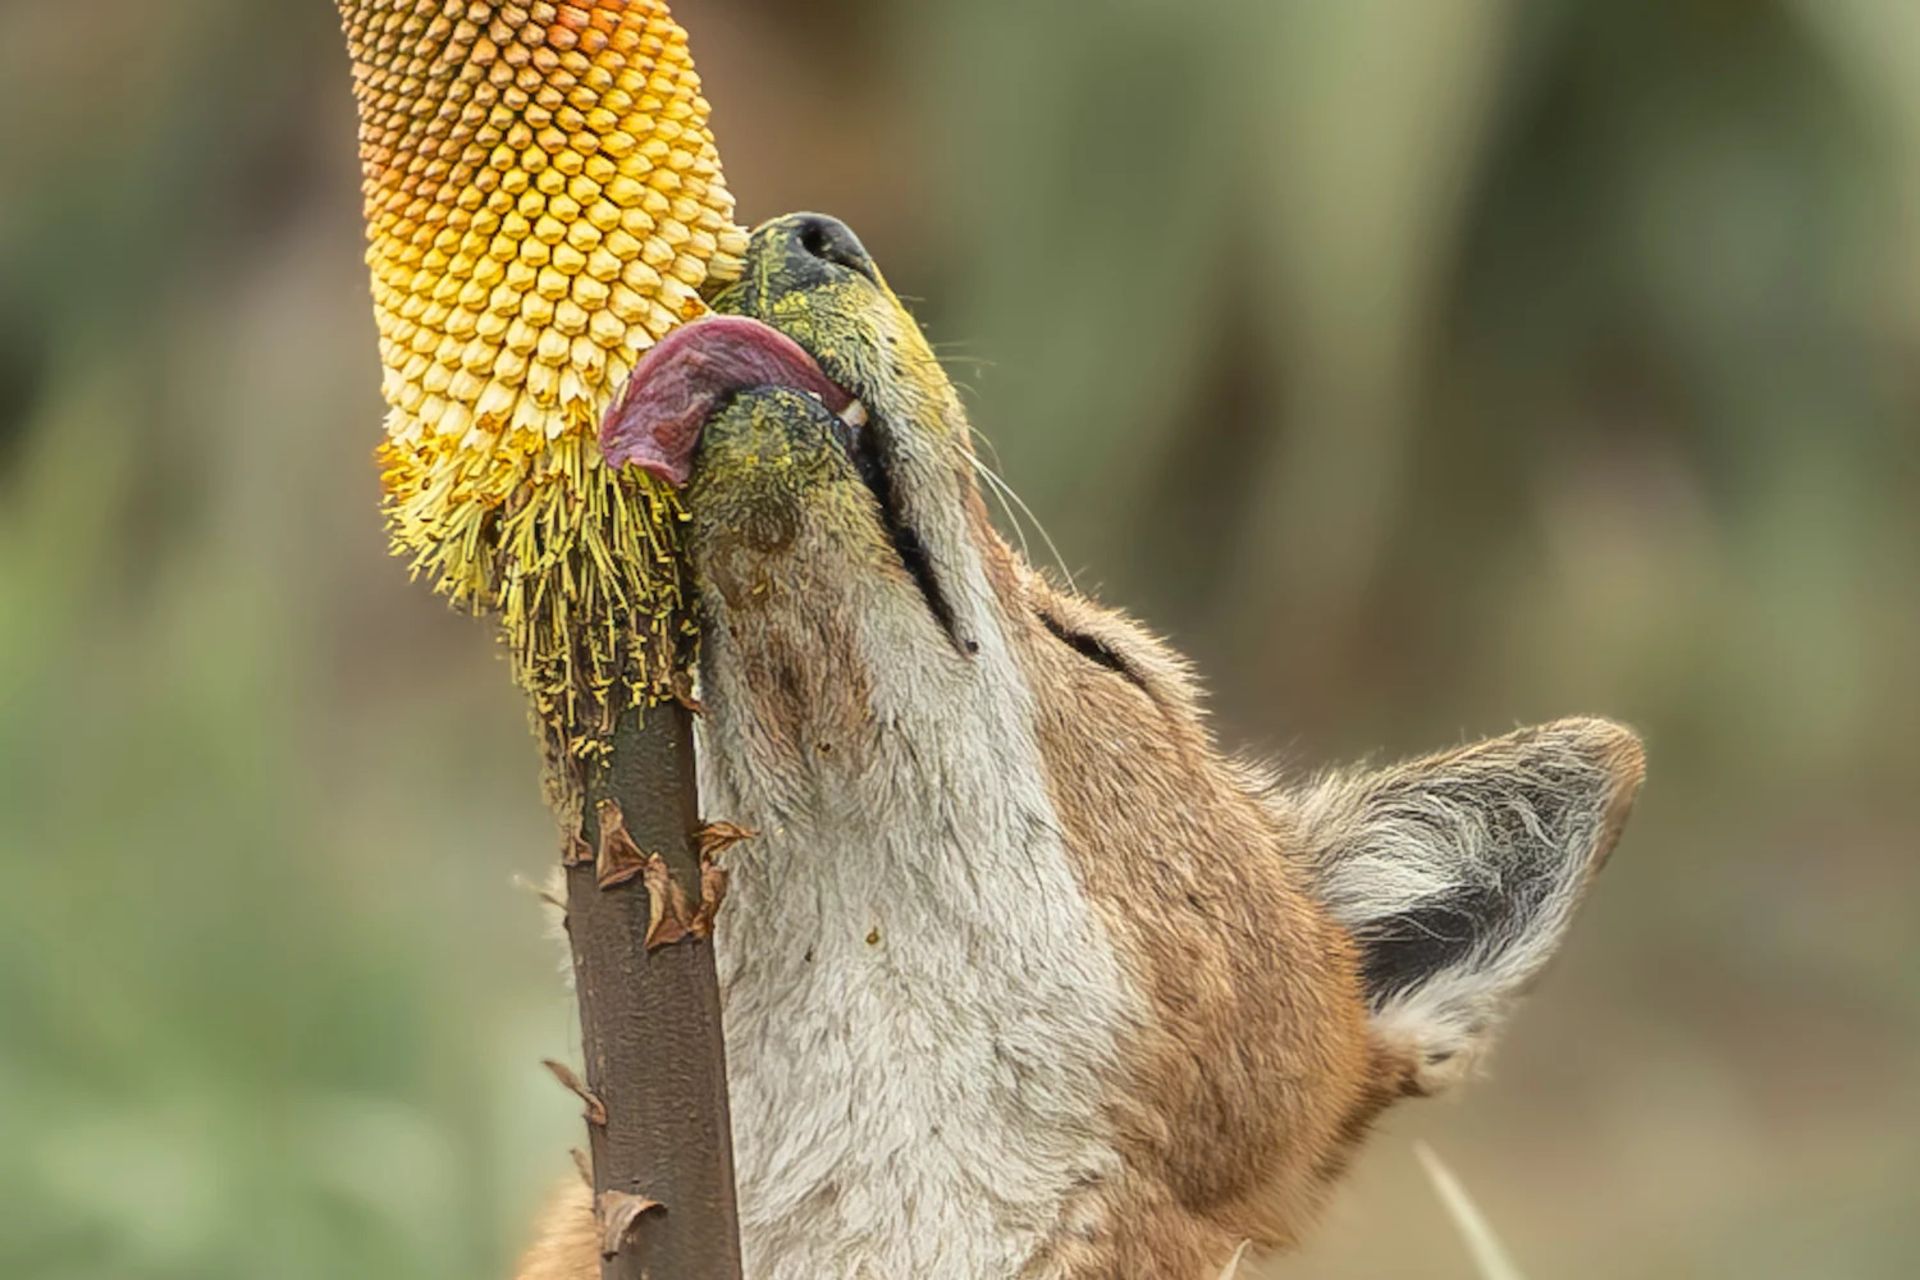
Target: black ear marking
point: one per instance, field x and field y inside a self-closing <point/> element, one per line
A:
<point x="1402" y="951"/>
<point x="1458" y="874"/>
<point x="1534" y="810"/>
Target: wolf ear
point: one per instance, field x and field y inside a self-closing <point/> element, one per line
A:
<point x="1459" y="873"/>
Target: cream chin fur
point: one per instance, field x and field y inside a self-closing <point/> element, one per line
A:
<point x="920" y="1003"/>
<point x="1022" y="980"/>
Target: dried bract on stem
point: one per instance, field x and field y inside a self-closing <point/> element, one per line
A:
<point x="596" y="1113"/>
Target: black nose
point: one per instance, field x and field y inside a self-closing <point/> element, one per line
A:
<point x="824" y="240"/>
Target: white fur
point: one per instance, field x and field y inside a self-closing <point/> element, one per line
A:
<point x="918" y="1105"/>
<point x="1521" y="817"/>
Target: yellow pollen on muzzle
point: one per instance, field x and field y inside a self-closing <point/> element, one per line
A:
<point x="543" y="202"/>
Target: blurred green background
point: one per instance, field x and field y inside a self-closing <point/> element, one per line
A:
<point x="1420" y="368"/>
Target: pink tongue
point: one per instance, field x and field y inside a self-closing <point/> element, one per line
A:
<point x="656" y="422"/>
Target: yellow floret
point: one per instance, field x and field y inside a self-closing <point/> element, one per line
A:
<point x="543" y="201"/>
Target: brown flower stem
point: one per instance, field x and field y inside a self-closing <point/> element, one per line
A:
<point x="651" y="1021"/>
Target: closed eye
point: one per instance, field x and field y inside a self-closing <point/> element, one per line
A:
<point x="1091" y="649"/>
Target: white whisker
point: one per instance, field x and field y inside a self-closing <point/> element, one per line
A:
<point x="1013" y="520"/>
<point x="1008" y="493"/>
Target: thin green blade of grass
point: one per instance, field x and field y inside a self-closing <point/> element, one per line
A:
<point x="1490" y="1257"/>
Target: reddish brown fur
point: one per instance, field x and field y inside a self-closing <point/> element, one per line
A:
<point x="1238" y="1103"/>
<point x="1257" y="1063"/>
